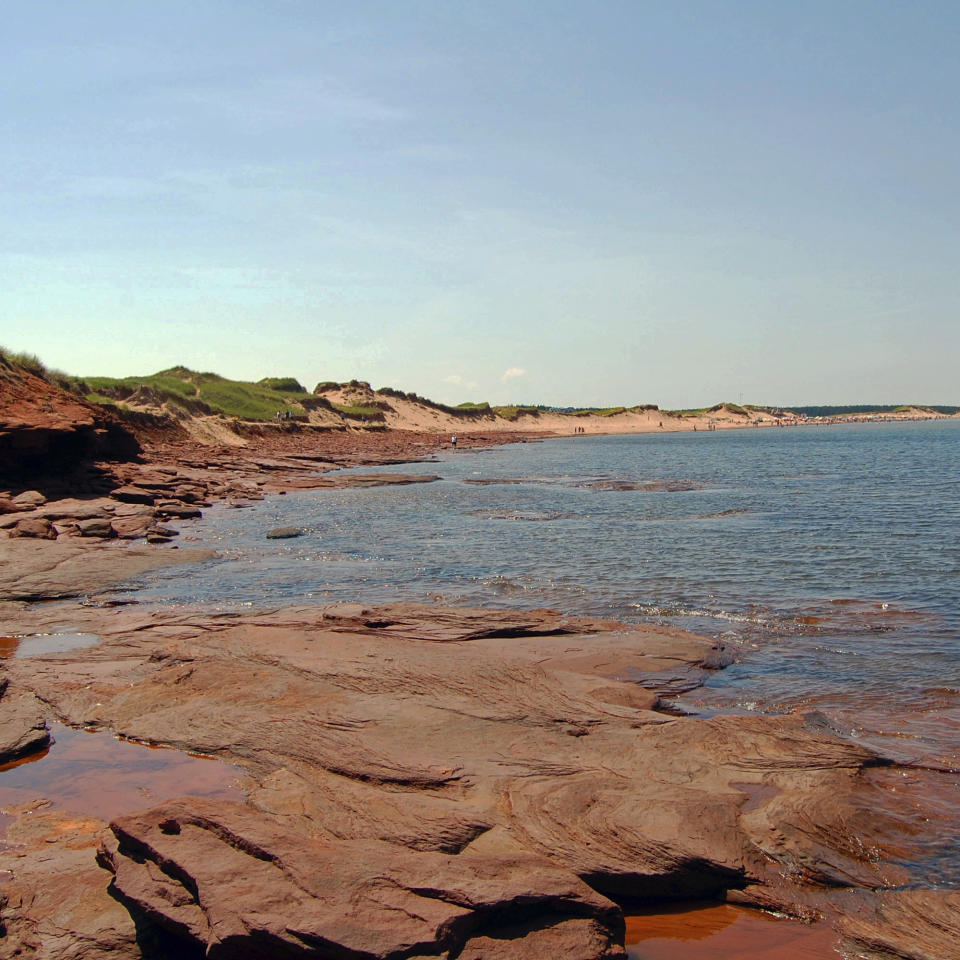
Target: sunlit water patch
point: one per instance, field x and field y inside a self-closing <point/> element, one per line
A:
<point x="37" y="644"/>
<point x="98" y="775"/>
<point x="719" y="931"/>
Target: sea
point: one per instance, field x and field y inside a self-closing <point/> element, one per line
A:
<point x="827" y="557"/>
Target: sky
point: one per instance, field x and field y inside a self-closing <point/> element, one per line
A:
<point x="570" y="203"/>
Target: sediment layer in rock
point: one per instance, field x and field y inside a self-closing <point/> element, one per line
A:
<point x="413" y="746"/>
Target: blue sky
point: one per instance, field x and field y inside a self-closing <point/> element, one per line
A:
<point x="564" y="202"/>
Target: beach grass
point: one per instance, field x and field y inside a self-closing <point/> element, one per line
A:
<point x="195" y="392"/>
<point x="282" y="384"/>
<point x="358" y="411"/>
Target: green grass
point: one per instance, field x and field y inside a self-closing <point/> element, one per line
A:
<point x="358" y="412"/>
<point x="483" y="407"/>
<point x="31" y="363"/>
<point x="281" y="384"/>
<point x="597" y="411"/>
<point x="24" y="361"/>
<point x="703" y="411"/>
<point x="512" y="412"/>
<point x="98" y="398"/>
<point x="195" y="391"/>
<point x="688" y="412"/>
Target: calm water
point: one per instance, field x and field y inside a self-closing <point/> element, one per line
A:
<point x="830" y="555"/>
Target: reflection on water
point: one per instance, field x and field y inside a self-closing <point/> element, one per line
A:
<point x="38" y="644"/>
<point x="719" y="931"/>
<point x="97" y="775"/>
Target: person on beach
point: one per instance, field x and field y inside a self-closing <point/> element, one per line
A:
<point x="453" y="441"/>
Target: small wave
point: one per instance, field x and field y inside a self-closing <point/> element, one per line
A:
<point x="602" y="484"/>
<point x="653" y="610"/>
<point x="530" y="517"/>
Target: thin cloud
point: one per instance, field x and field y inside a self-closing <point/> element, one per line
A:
<point x="512" y="372"/>
<point x="459" y="381"/>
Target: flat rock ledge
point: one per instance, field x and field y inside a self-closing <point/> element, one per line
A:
<point x="434" y="782"/>
<point x="237" y="884"/>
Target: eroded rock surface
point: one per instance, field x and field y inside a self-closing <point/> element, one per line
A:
<point x="912" y="924"/>
<point x="23" y="730"/>
<point x="69" y="567"/>
<point x="225" y="877"/>
<point x="47" y="433"/>
<point x="413" y="741"/>
<point x="53" y="901"/>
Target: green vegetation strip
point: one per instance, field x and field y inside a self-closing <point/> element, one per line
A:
<point x="203" y="392"/>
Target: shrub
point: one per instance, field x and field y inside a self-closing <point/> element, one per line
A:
<point x="281" y="384"/>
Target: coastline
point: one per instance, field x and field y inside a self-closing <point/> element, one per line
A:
<point x="591" y="743"/>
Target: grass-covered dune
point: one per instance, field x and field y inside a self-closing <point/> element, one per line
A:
<point x="194" y="392"/>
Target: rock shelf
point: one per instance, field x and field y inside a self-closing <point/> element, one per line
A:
<point x="429" y="781"/>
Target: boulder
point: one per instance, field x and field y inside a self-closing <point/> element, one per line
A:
<point x="284" y="533"/>
<point x="96" y="527"/>
<point x="36" y="527"/>
<point x="131" y="528"/>
<point x="29" y="499"/>
<point x="190" y="493"/>
<point x="130" y="494"/>
<point x="23" y="730"/>
<point x="74" y="509"/>
<point x="162" y="531"/>
<point x="174" y="508"/>
<point x="8" y="506"/>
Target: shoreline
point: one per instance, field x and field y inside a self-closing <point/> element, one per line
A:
<point x="608" y="795"/>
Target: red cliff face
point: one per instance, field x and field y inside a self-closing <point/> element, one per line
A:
<point x="46" y="432"/>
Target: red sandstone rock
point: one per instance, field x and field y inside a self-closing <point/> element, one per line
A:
<point x="174" y="508"/>
<point x="909" y="924"/>
<point x="131" y="528"/>
<point x="29" y="499"/>
<point x="48" y="433"/>
<point x="131" y="494"/>
<point x="96" y="527"/>
<point x="71" y="567"/>
<point x="75" y="509"/>
<point x="497" y="735"/>
<point x="23" y="730"/>
<point x="236" y="882"/>
<point x="34" y="527"/>
<point x="54" y="903"/>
